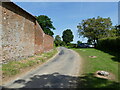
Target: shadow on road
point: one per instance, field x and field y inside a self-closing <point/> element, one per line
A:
<point x="56" y="80"/>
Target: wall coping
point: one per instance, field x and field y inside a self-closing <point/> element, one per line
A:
<point x="11" y="4"/>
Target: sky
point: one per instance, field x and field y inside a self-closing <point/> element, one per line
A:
<point x="67" y="15"/>
<point x="65" y="0"/>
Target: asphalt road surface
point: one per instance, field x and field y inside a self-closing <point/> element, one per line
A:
<point x="60" y="72"/>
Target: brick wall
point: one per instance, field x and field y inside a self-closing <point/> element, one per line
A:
<point x="0" y="33"/>
<point x="17" y="33"/>
<point x="39" y="38"/>
<point x="21" y="34"/>
<point x="43" y="42"/>
<point x="48" y="42"/>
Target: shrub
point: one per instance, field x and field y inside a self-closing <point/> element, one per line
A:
<point x="110" y="43"/>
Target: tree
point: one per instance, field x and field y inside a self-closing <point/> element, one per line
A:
<point x="63" y="43"/>
<point x="95" y="28"/>
<point x="113" y="32"/>
<point x="79" y="42"/>
<point x="57" y="40"/>
<point x="46" y="24"/>
<point x="67" y="36"/>
<point x="89" y="41"/>
<point x="118" y="30"/>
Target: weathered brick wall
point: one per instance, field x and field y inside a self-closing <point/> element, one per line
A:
<point x="43" y="42"/>
<point x="39" y="37"/>
<point x="48" y="42"/>
<point x="17" y="33"/>
<point x="0" y="33"/>
<point x="20" y="34"/>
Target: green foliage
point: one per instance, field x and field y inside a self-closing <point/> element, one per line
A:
<point x="63" y="43"/>
<point x="79" y="42"/>
<point x="57" y="40"/>
<point x="71" y="45"/>
<point x="46" y="24"/>
<point x="117" y="30"/>
<point x="67" y="36"/>
<point x="110" y="43"/>
<point x="89" y="41"/>
<point x="95" y="28"/>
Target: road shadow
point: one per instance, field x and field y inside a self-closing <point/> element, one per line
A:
<point x="54" y="80"/>
<point x="57" y="80"/>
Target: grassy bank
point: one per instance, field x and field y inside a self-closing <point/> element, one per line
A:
<point x="102" y="61"/>
<point x="16" y="67"/>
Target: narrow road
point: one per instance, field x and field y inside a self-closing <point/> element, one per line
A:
<point x="60" y="72"/>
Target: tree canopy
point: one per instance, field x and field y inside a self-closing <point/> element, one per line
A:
<point x="46" y="24"/>
<point x="58" y="40"/>
<point x="118" y="30"/>
<point x="67" y="36"/>
<point x="79" y="42"/>
<point x="95" y="28"/>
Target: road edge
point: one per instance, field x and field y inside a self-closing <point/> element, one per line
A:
<point x="33" y="69"/>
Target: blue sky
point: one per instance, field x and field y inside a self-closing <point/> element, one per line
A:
<point x="67" y="15"/>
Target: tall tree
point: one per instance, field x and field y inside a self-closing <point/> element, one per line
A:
<point x="46" y="24"/>
<point x="95" y="28"/>
<point x="67" y="36"/>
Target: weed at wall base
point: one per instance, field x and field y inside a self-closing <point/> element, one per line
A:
<point x="15" y="67"/>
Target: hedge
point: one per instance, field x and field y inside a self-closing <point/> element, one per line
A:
<point x="111" y="43"/>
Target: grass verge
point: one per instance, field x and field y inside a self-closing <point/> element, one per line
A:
<point x="16" y="67"/>
<point x="103" y="61"/>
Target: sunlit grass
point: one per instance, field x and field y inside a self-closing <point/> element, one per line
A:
<point x="103" y="61"/>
